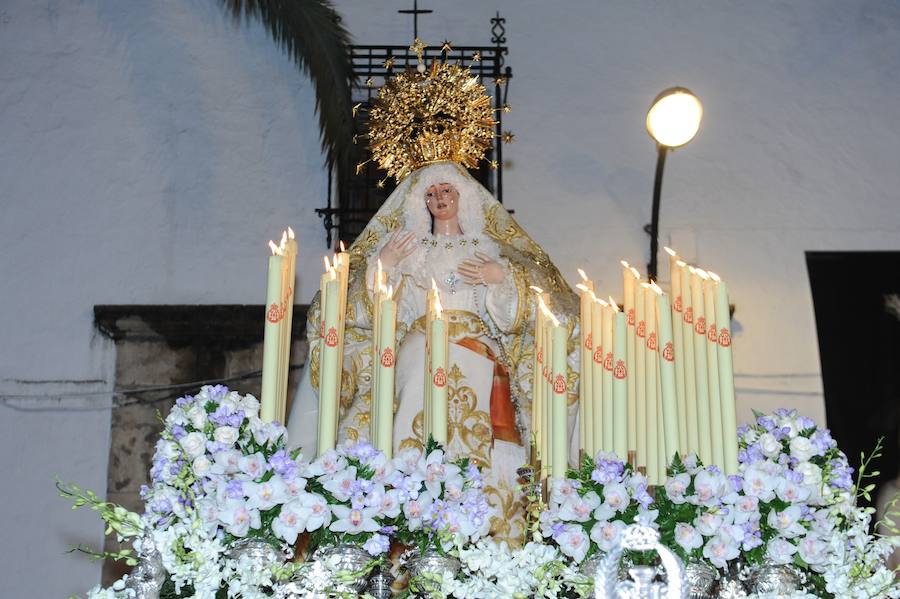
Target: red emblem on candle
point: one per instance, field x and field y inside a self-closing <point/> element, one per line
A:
<point x="589" y="340"/>
<point x="669" y="352"/>
<point x="608" y="362"/>
<point x="540" y="356"/>
<point x="619" y="371"/>
<point x="689" y="315"/>
<point x="331" y="338"/>
<point x="631" y="316"/>
<point x="440" y="378"/>
<point x="598" y="355"/>
<point x="700" y="325"/>
<point x="387" y="358"/>
<point x="677" y="304"/>
<point x="651" y="342"/>
<point x="641" y="329"/>
<point x="724" y="337"/>
<point x="712" y="334"/>
<point x="559" y="385"/>
<point x="321" y="329"/>
<point x="275" y="314"/>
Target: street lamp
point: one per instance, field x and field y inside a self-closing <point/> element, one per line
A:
<point x="672" y="121"/>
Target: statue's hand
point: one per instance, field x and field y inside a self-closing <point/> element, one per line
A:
<point x="400" y="245"/>
<point x="482" y="270"/>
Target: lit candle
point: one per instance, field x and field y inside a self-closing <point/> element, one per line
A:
<point x="700" y="366"/>
<point x="290" y="271"/>
<point x="606" y="379"/>
<point x="726" y="377"/>
<point x="386" y="357"/>
<point x="329" y="377"/>
<point x="650" y="368"/>
<point x="560" y="401"/>
<point x="439" y="355"/>
<point x="712" y="370"/>
<point x="547" y="393"/>
<point x="537" y="379"/>
<point x="640" y="383"/>
<point x="628" y="276"/>
<point x="675" y="267"/>
<point x="620" y="382"/>
<point x="268" y="408"/>
<point x="585" y="389"/>
<point x="598" y="373"/>
<point x="667" y="370"/>
<point x="687" y="337"/>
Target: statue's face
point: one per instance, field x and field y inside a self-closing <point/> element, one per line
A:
<point x="442" y="200"/>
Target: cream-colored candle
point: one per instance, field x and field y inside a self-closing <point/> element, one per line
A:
<point x="675" y="268"/>
<point x="650" y="368"/>
<point x="268" y="407"/>
<point x="629" y="276"/>
<point x="687" y="338"/>
<point x="667" y="370"/>
<point x="701" y="378"/>
<point x="712" y="370"/>
<point x="585" y="388"/>
<point x="640" y="373"/>
<point x="547" y="407"/>
<point x="726" y="378"/>
<point x="560" y="402"/>
<point x="377" y="287"/>
<point x="598" y="372"/>
<point x="329" y="377"/>
<point x="386" y="357"/>
<point x="619" y="382"/>
<point x="289" y="270"/>
<point x="537" y="381"/>
<point x="606" y="379"/>
<point x="439" y="356"/>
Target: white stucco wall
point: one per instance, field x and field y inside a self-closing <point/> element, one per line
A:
<point x="149" y="149"/>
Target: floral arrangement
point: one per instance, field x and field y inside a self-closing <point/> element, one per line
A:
<point x="221" y="476"/>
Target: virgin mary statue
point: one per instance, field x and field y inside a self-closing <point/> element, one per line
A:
<point x="441" y="227"/>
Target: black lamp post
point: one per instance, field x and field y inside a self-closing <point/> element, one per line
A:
<point x="672" y="121"/>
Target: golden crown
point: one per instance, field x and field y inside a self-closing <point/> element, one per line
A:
<point x="430" y="115"/>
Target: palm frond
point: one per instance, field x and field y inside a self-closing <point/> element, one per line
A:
<point x="311" y="33"/>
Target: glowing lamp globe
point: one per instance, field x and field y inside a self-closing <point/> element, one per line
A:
<point x="674" y="117"/>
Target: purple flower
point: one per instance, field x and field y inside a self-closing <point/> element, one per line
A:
<point x="217" y="392"/>
<point x="178" y="432"/>
<point x="737" y="482"/>
<point x="388" y="530"/>
<point x="377" y="544"/>
<point x="766" y="422"/>
<point x="234" y="489"/>
<point x="283" y="465"/>
<point x="608" y="470"/>
<point x="821" y="440"/>
<point x="362" y="451"/>
<point x="145" y="491"/>
<point x="557" y="529"/>
<point x="805" y="423"/>
<point x="641" y="495"/>
<point x="183" y="401"/>
<point x="743" y="430"/>
<point x="793" y="476"/>
<point x="841" y="475"/>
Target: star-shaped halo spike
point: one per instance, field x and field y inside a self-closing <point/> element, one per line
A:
<point x="356" y="109"/>
<point x="446" y="47"/>
<point x="494" y="164"/>
<point x="370" y="82"/>
<point x="476" y="57"/>
<point x="508" y="137"/>
<point x="389" y="63"/>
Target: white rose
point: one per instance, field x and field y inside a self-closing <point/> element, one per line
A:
<point x="250" y="404"/>
<point x="197" y="416"/>
<point x="769" y="445"/>
<point x="226" y="435"/>
<point x="194" y="444"/>
<point x="201" y="465"/>
<point x="812" y="474"/>
<point x="802" y="449"/>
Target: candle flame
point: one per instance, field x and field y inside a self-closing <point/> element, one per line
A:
<point x="583" y="288"/>
<point x="601" y="302"/>
<point x="437" y="304"/>
<point x="283" y="239"/>
<point x="333" y="273"/>
<point x="656" y="288"/>
<point x="645" y="285"/>
<point x="290" y="232"/>
<point x="584" y="277"/>
<point x="276" y="251"/>
<point x="612" y="302"/>
<point x="343" y="249"/>
<point x="624" y="264"/>
<point x="670" y="251"/>
<point x="692" y="269"/>
<point x="681" y="263"/>
<point x="702" y="274"/>
<point x="714" y="276"/>
<point x="593" y="297"/>
<point x="327" y="263"/>
<point x="537" y="290"/>
<point x="635" y="272"/>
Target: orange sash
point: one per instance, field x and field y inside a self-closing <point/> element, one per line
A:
<point x="503" y="413"/>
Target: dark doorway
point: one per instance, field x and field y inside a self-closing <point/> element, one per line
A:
<point x="859" y="350"/>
